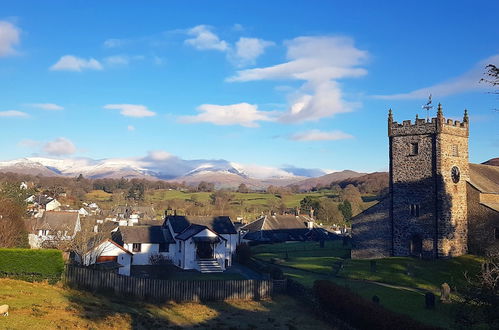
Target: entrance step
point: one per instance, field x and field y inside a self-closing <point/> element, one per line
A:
<point x="209" y="266"/>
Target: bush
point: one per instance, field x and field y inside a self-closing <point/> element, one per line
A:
<point x="274" y="272"/>
<point x="357" y="311"/>
<point x="31" y="265"/>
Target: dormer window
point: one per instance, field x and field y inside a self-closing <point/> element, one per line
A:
<point x="414" y="149"/>
<point x="136" y="247"/>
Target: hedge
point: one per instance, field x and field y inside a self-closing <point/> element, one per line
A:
<point x="31" y="265"/>
<point x="358" y="312"/>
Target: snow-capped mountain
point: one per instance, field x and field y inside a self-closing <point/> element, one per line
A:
<point x="157" y="165"/>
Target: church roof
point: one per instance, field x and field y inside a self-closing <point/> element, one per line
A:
<point x="485" y="178"/>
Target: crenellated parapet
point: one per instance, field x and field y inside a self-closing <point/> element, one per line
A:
<point x="433" y="126"/>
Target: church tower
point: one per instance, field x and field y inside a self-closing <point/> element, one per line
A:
<point x="428" y="173"/>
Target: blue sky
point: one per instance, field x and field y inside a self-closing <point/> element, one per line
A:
<point x="275" y="83"/>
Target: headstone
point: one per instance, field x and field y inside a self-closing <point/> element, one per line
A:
<point x="375" y="300"/>
<point x="372" y="263"/>
<point x="429" y="300"/>
<point x="445" y="293"/>
<point x="321" y="243"/>
<point x="345" y="240"/>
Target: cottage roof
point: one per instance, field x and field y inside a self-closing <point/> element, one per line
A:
<point x="485" y="178"/>
<point x="193" y="230"/>
<point x="142" y="234"/>
<point x="57" y="220"/>
<point x="493" y="206"/>
<point x="220" y="225"/>
<point x="43" y="199"/>
<point x="278" y="222"/>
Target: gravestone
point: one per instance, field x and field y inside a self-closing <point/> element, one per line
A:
<point x="375" y="300"/>
<point x="429" y="300"/>
<point x="321" y="243"/>
<point x="445" y="293"/>
<point x="373" y="265"/>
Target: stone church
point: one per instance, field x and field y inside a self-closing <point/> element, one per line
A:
<point x="439" y="205"/>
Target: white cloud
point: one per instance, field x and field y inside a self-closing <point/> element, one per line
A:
<point x="204" y="39"/>
<point x="247" y="50"/>
<point x="47" y="106"/>
<point x="60" y="146"/>
<point x="468" y="81"/>
<point x="130" y="128"/>
<point x="28" y="143"/>
<point x="317" y="135"/>
<point x="159" y="155"/>
<point x="113" y="43"/>
<point x="320" y="62"/>
<point x="131" y="110"/>
<point x="13" y="113"/>
<point x="243" y="114"/>
<point x="117" y="60"/>
<point x="9" y="38"/>
<point x="73" y="63"/>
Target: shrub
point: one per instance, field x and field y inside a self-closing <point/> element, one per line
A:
<point x="31" y="265"/>
<point x="357" y="311"/>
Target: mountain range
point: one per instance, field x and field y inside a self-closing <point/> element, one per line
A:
<point x="163" y="166"/>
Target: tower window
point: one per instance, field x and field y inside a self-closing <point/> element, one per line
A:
<point x="455" y="150"/>
<point x="414" y="210"/>
<point x="414" y="149"/>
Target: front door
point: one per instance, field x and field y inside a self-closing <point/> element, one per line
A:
<point x="204" y="250"/>
<point x="416" y="246"/>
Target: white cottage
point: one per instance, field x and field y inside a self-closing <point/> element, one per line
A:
<point x="203" y="243"/>
<point x="54" y="226"/>
<point x="110" y="252"/>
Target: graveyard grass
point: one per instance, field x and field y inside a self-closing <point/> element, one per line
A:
<point x="406" y="279"/>
<point x="47" y="306"/>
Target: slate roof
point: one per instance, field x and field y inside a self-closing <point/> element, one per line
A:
<point x="485" y="178"/>
<point x="57" y="220"/>
<point x="493" y="206"/>
<point x="220" y="225"/>
<point x="278" y="222"/>
<point x="142" y="234"/>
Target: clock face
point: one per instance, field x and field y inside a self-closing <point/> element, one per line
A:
<point x="455" y="174"/>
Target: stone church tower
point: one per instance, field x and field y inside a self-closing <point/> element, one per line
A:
<point x="427" y="206"/>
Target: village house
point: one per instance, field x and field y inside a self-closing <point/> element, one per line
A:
<point x="202" y="243"/>
<point x="282" y="228"/>
<point x="112" y="254"/>
<point x="54" y="226"/>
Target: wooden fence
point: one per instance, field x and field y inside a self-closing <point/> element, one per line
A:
<point x="166" y="290"/>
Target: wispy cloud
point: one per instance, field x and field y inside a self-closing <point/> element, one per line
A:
<point x="205" y="39"/>
<point x="466" y="82"/>
<point x="9" y="38"/>
<point x="13" y="113"/>
<point x="131" y="110"/>
<point x="114" y="42"/>
<point x="73" y="63"/>
<point x="28" y="143"/>
<point x="59" y="147"/>
<point x="130" y="128"/>
<point x="47" y="106"/>
<point x="317" y="135"/>
<point x="320" y="62"/>
<point x="243" y="114"/>
<point x="247" y="50"/>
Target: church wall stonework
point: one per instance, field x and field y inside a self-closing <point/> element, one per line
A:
<point x="482" y="221"/>
<point x="426" y="212"/>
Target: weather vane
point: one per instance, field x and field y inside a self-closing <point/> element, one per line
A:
<point x="428" y="107"/>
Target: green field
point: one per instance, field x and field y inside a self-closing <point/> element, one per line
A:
<point x="42" y="306"/>
<point x="400" y="283"/>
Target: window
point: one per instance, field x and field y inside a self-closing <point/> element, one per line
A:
<point x="414" y="149"/>
<point x="164" y="247"/>
<point x="455" y="150"/>
<point x="414" y="210"/>
<point x="180" y="246"/>
<point x="136" y="247"/>
<point x="496" y="233"/>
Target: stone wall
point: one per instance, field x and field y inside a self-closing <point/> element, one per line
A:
<point x="482" y="223"/>
<point x="371" y="232"/>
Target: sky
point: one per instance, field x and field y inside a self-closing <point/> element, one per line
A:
<point x="288" y="84"/>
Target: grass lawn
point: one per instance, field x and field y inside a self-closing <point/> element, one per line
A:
<point x="43" y="306"/>
<point x="309" y="263"/>
<point x="98" y="196"/>
<point x="415" y="273"/>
